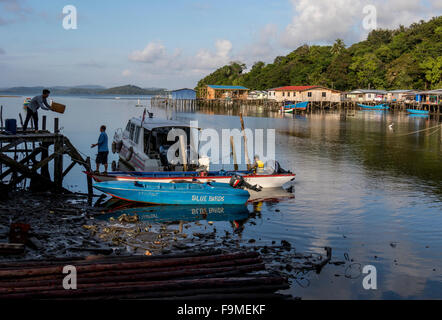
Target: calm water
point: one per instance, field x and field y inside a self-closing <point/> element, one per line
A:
<point x="372" y="194"/>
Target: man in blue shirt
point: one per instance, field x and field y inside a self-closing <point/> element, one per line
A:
<point x="103" y="150"/>
<point x="36" y="103"/>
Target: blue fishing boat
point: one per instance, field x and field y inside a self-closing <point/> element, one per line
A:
<point x="302" y="106"/>
<point x="383" y="106"/>
<point x="183" y="193"/>
<point x="420" y="112"/>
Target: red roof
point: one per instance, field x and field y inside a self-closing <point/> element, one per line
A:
<point x="295" y="88"/>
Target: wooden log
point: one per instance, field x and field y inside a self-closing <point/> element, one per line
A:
<point x="148" y="286"/>
<point x="147" y="275"/>
<point x="125" y="272"/>
<point x="11" y="248"/>
<point x="101" y="259"/>
<point x="250" y="292"/>
<point x="5" y="274"/>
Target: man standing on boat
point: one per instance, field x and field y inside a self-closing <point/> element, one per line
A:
<point x="36" y="103"/>
<point x="103" y="149"/>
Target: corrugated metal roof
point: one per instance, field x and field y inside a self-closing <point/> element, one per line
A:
<point x="368" y="91"/>
<point x="399" y="91"/>
<point x="295" y="88"/>
<point x="227" y="87"/>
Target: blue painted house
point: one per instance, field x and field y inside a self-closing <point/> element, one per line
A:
<point x="184" y="93"/>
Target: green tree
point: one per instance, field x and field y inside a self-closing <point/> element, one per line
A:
<point x="433" y="71"/>
<point x="338" y="47"/>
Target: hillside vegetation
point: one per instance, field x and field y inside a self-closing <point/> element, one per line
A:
<point x="405" y="58"/>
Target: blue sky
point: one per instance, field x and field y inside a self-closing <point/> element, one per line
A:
<point x="173" y="43"/>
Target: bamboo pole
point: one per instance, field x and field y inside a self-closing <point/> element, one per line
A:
<point x="232" y="145"/>
<point x="183" y="152"/>
<point x="245" y="142"/>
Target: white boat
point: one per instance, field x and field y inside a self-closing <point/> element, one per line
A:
<point x="271" y="180"/>
<point x="143" y="146"/>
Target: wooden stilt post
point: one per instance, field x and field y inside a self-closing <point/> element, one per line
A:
<point x="232" y="145"/>
<point x="89" y="179"/>
<point x="43" y="123"/>
<point x="245" y="142"/>
<point x="58" y="160"/>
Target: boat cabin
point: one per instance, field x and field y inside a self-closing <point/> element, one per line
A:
<point x="144" y="146"/>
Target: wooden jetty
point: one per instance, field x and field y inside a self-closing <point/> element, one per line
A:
<point x="275" y="106"/>
<point x="202" y="275"/>
<point x="26" y="155"/>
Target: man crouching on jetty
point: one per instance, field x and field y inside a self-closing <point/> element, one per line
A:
<point x="36" y="103"/>
<point x="103" y="150"/>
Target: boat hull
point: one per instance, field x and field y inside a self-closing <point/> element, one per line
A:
<point x="174" y="193"/>
<point x="301" y="106"/>
<point x="378" y="107"/>
<point x="420" y="112"/>
<point x="265" y="181"/>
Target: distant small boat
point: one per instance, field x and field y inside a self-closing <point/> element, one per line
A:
<point x="383" y="106"/>
<point x="302" y="106"/>
<point x="421" y="112"/>
<point x="175" y="193"/>
<point x="139" y="105"/>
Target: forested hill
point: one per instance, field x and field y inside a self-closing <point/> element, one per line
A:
<point x="404" y="58"/>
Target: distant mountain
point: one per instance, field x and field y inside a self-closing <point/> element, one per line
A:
<point x="83" y="90"/>
<point x="90" y="86"/>
<point x="132" y="90"/>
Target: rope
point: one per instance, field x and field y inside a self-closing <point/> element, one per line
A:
<point x="406" y="134"/>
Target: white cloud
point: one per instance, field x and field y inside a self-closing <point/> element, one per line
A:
<point x="323" y="21"/>
<point x="206" y="59"/>
<point x="153" y="52"/>
<point x="262" y="47"/>
<point x="126" y="73"/>
<point x="157" y="58"/>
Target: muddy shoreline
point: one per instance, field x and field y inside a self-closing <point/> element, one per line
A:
<point x="63" y="226"/>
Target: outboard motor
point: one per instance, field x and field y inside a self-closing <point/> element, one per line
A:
<point x="238" y="182"/>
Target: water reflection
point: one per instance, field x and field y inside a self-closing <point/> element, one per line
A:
<point x="360" y="186"/>
<point x="170" y="214"/>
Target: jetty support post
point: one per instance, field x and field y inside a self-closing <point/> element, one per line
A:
<point x="232" y="145"/>
<point x="89" y="179"/>
<point x="58" y="160"/>
<point x="246" y="152"/>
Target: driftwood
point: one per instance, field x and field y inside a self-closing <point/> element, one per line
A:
<point x="129" y="272"/>
<point x="150" y="286"/>
<point x="199" y="274"/>
<point x="12" y="248"/>
<point x="28" y="272"/>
